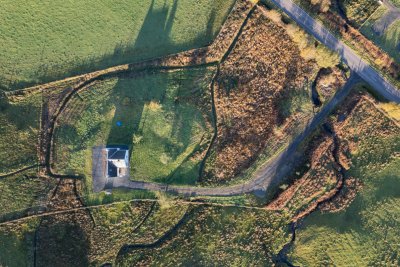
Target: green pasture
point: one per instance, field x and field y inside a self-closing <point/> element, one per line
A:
<point x="22" y="191"/>
<point x="240" y="237"/>
<point x="367" y="232"/>
<point x="48" y="40"/>
<point x="164" y="118"/>
<point x="19" y="127"/>
<point x="390" y="40"/>
<point x="16" y="244"/>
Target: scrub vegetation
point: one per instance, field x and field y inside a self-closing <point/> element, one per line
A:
<point x="358" y="11"/>
<point x="262" y="95"/>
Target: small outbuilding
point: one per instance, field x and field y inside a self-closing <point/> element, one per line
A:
<point x="117" y="161"/>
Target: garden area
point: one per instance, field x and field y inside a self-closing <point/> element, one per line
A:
<point x="164" y="117"/>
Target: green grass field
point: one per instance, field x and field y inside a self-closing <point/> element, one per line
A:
<point x="22" y="191"/>
<point x="164" y="117"/>
<point x="19" y="127"/>
<point x="54" y="39"/>
<point x="16" y="249"/>
<point x="367" y="232"/>
<point x="390" y="40"/>
<point x="218" y="236"/>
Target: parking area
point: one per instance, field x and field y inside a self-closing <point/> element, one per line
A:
<point x="99" y="157"/>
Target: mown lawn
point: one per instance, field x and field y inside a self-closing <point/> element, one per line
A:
<point x="53" y="39"/>
<point x="367" y="232"/>
<point x="164" y="118"/>
<point x="19" y="127"/>
<point x="390" y="40"/>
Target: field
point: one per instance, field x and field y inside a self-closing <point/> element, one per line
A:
<point x="389" y="41"/>
<point x="21" y="192"/>
<point x="56" y="39"/>
<point x="359" y="225"/>
<point x="364" y="234"/>
<point x="164" y="117"/>
<point x="19" y="130"/>
<point x="98" y="234"/>
<point x="223" y="236"/>
<point x="16" y="244"/>
<point x="137" y="233"/>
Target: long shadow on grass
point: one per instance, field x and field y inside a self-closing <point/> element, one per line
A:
<point x="156" y="29"/>
<point x="61" y="243"/>
<point x="146" y="108"/>
<point x="156" y="118"/>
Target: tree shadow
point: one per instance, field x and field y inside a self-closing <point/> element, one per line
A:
<point x="156" y="29"/>
<point x="154" y="114"/>
<point x="137" y="100"/>
<point x="61" y="243"/>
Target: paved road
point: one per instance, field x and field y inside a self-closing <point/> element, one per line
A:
<point x="281" y="164"/>
<point x="359" y="66"/>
